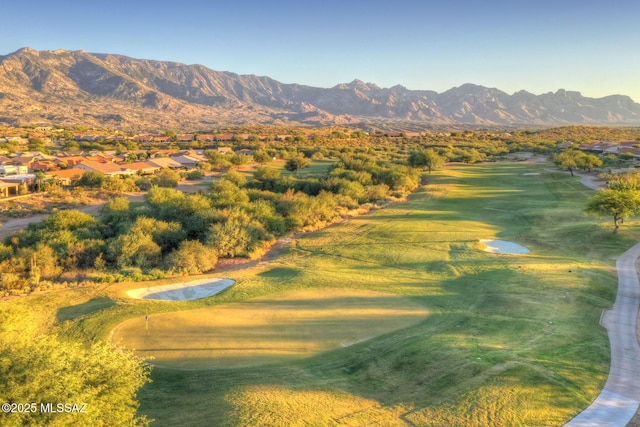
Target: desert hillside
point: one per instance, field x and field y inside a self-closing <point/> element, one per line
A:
<point x="76" y="87"/>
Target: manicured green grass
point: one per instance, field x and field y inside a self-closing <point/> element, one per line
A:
<point x="92" y="306"/>
<point x="267" y="330"/>
<point x="317" y="168"/>
<point x="509" y="340"/>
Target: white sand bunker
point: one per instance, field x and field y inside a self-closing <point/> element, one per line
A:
<point x="182" y="291"/>
<point x="531" y="173"/>
<point x="503" y="247"/>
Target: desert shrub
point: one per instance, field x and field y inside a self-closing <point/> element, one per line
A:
<point x="192" y="257"/>
<point x="134" y="248"/>
<point x="238" y="234"/>
<point x="45" y="369"/>
<point x="194" y="175"/>
<point x="167" y="178"/>
<point x="6" y="252"/>
<point x="143" y="183"/>
<point x="226" y="193"/>
<point x="236" y="177"/>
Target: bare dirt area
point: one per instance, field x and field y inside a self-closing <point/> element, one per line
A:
<point x="16" y="214"/>
<point x="19" y="213"/>
<point x="231" y="264"/>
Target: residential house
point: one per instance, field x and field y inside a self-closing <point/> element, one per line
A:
<point x="205" y="137"/>
<point x="161" y="153"/>
<point x="186" y="137"/>
<point x="65" y="176"/>
<point x="196" y="154"/>
<point x="104" y="157"/>
<point x="8" y="189"/>
<point x="162" y="139"/>
<point x="143" y="168"/>
<point x="221" y="137"/>
<point x="22" y="180"/>
<point x="143" y="138"/>
<point x="117" y="139"/>
<point x="44" y="165"/>
<point x="69" y="153"/>
<point x="6" y="169"/>
<point x="109" y="169"/>
<point x="71" y="160"/>
<point x="25" y="161"/>
<point x="186" y="161"/>
<point x="412" y="134"/>
<point x="165" y="162"/>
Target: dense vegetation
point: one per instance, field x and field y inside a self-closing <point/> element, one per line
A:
<point x="177" y="233"/>
<point x="83" y="386"/>
<point x="242" y="214"/>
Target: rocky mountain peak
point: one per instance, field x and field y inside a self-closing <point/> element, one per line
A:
<point x="76" y="87"/>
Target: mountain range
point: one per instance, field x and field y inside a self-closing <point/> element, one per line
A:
<point x="65" y="87"/>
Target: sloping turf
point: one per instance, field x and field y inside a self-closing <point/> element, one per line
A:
<point x="265" y="330"/>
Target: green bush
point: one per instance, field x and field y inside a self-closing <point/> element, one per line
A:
<point x="192" y="257"/>
<point x="194" y="175"/>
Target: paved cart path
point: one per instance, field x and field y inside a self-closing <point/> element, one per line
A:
<point x="620" y="398"/>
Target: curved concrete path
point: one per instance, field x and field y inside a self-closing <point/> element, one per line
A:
<point x="620" y="398"/>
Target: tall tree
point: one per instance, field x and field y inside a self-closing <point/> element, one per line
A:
<point x="99" y="380"/>
<point x="296" y="163"/>
<point x="568" y="160"/>
<point x="39" y="179"/>
<point x="589" y="161"/>
<point x="618" y="204"/>
<point x="428" y="158"/>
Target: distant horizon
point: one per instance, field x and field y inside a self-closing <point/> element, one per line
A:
<point x="330" y="86"/>
<point x="584" y="46"/>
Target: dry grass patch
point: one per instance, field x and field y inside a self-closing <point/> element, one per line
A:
<point x="279" y="406"/>
<point x="509" y="399"/>
<point x="266" y="330"/>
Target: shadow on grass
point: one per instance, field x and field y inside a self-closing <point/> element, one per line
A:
<point x="73" y="311"/>
<point x="281" y="272"/>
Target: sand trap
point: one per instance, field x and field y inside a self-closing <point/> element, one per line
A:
<point x="182" y="291"/>
<point x="531" y="173"/>
<point x="503" y="247"/>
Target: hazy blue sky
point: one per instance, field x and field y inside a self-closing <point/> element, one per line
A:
<point x="539" y="46"/>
